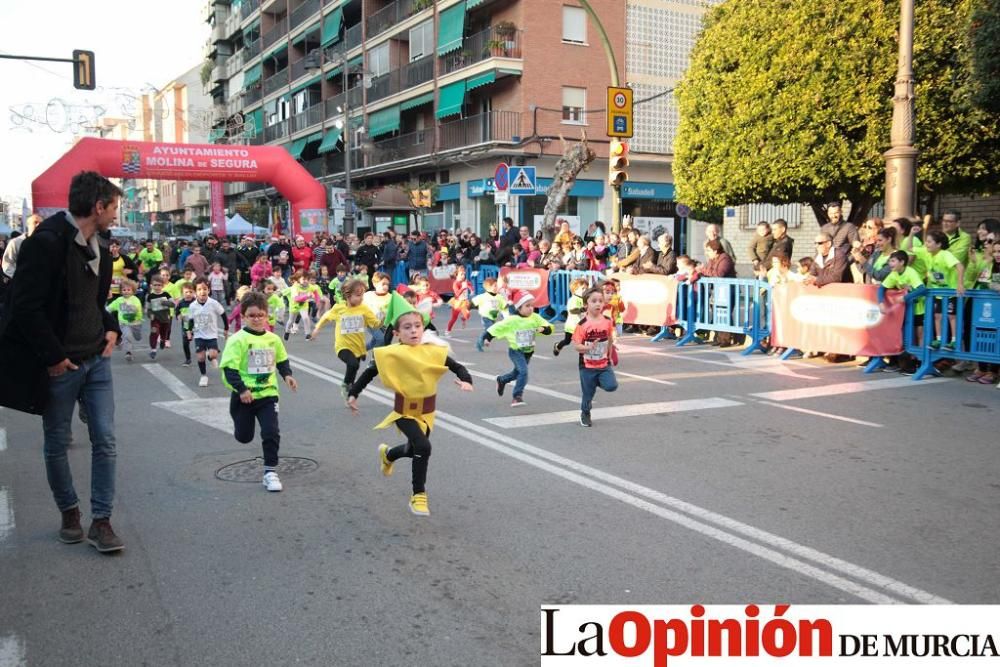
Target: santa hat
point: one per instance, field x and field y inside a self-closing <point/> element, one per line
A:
<point x="522" y="299"/>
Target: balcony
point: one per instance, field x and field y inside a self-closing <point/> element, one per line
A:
<point x="486" y="44"/>
<point x="308" y="118"/>
<point x="219" y="30"/>
<point x="251" y="49"/>
<point x="389" y="16"/>
<point x="403" y="147"/>
<point x="488" y="127"/>
<point x="315" y="167"/>
<point x="273" y="84"/>
<point x="197" y="196"/>
<point x="275" y="33"/>
<point x="303" y="12"/>
<point x="298" y="68"/>
<point x="220" y="71"/>
<point x="410" y="75"/>
<point x="276" y="131"/>
<point x="251" y="95"/>
<point x="248" y="7"/>
<point x="331" y="105"/>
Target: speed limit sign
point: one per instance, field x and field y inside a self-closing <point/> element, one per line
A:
<point x="619" y="112"/>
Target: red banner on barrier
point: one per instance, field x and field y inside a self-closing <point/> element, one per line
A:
<point x="535" y="281"/>
<point x="441" y="278"/>
<point x="650" y="299"/>
<point x="840" y="318"/>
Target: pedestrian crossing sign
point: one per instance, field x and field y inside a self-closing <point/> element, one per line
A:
<point x="522" y="180"/>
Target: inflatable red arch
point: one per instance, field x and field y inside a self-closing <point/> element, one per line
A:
<point x="187" y="162"/>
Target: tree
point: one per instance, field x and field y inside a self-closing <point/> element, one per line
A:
<point x="984" y="34"/>
<point x="791" y="101"/>
<point x="576" y="158"/>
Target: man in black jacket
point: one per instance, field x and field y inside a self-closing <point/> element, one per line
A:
<point x="56" y="340"/>
<point x="247" y="251"/>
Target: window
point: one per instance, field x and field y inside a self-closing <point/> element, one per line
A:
<point x="574" y="100"/>
<point x="378" y="60"/>
<point x="422" y="40"/>
<point x="574" y="25"/>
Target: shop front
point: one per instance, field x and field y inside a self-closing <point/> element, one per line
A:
<point x="654" y="211"/>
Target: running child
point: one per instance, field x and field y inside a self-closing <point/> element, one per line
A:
<point x="217" y="280"/>
<point x="574" y="313"/>
<point x="519" y="331"/>
<point x="299" y="295"/>
<point x="202" y="320"/>
<point x="377" y="299"/>
<point x="253" y="359"/>
<point x="491" y="305"/>
<point x="412" y="370"/>
<point x="187" y="298"/>
<point x="275" y="305"/>
<point x="235" y="318"/>
<point x="338" y="280"/>
<point x="614" y="307"/>
<point x="352" y="320"/>
<point x="460" y="302"/>
<point x="161" y="314"/>
<point x="128" y="307"/>
<point x="260" y="271"/>
<point x="426" y="300"/>
<point x="594" y="339"/>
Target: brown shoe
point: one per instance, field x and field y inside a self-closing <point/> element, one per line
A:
<point x="103" y="538"/>
<point x="71" y="531"/>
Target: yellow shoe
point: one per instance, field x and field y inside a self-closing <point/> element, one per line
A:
<point x="384" y="464"/>
<point x="418" y="504"/>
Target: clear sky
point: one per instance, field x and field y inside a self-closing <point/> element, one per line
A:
<point x="138" y="45"/>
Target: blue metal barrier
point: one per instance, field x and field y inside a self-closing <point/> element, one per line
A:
<point x="981" y="323"/>
<point x="730" y="305"/>
<point x="559" y="282"/>
<point x="400" y="275"/>
<point x="684" y="314"/>
<point x="478" y="275"/>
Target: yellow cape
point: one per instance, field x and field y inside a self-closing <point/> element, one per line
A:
<point x="412" y="371"/>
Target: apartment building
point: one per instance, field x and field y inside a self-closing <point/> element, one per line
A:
<point x="440" y="92"/>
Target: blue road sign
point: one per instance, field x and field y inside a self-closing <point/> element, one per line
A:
<point x="621" y="124"/>
<point x="522" y="180"/>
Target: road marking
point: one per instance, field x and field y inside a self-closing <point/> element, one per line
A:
<point x="3" y="439"/>
<point x="878" y="589"/>
<point x="12" y="653"/>
<point x="844" y="388"/>
<point x="821" y="414"/>
<point x="572" y="416"/>
<point x="212" y="412"/>
<point x="532" y="388"/>
<point x="644" y="378"/>
<point x="181" y="390"/>
<point x="775" y="366"/>
<point x="6" y="515"/>
<point x="540" y="356"/>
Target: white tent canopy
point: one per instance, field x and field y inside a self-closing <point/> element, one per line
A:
<point x="235" y="226"/>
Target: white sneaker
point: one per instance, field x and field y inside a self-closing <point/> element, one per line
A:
<point x="271" y="481"/>
<point x="203" y="382"/>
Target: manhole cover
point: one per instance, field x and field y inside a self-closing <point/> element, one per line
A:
<point x="252" y="470"/>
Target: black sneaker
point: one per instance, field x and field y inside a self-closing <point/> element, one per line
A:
<point x="585" y="419"/>
<point x="555" y="349"/>
<point x="103" y="538"/>
<point x="500" y="386"/>
<point x="287" y="334"/>
<point x="71" y="531"/>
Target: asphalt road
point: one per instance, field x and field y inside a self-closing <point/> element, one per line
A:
<point x="707" y="477"/>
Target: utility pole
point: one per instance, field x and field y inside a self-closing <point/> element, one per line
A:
<point x="901" y="158"/>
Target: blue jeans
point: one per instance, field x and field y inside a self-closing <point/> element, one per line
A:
<point x="487" y="323"/>
<point x="91" y="382"/>
<point x="519" y="375"/>
<point x="591" y="379"/>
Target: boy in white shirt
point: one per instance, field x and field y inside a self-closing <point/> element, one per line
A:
<point x="202" y="325"/>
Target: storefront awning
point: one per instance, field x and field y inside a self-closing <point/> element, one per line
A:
<point x="451" y="29"/>
<point x="332" y="23"/>
<point x="450" y="99"/>
<point x="296" y="147"/>
<point x="314" y="137"/>
<point x="483" y="79"/>
<point x="384" y="121"/>
<point x="252" y="75"/>
<point x="330" y="140"/>
<point x="417" y="102"/>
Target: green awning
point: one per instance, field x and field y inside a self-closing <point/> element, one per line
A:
<point x="451" y="28"/>
<point x="310" y="82"/>
<point x="335" y="72"/>
<point x="255" y="118"/>
<point x="252" y="75"/>
<point x="216" y="134"/>
<point x="417" y="102"/>
<point x="450" y="99"/>
<point x="274" y="52"/>
<point x="250" y="28"/>
<point x="305" y="33"/>
<point x="297" y="147"/>
<point x="481" y="80"/>
<point x="354" y="62"/>
<point x="330" y="140"/>
<point x="383" y="121"/>
<point x="313" y="138"/>
<point x="472" y="4"/>
<point x="332" y="23"/>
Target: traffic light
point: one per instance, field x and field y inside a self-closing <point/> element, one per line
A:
<point x="83" y="70"/>
<point x="617" y="163"/>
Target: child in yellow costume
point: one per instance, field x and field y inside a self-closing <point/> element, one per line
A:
<point x="411" y="369"/>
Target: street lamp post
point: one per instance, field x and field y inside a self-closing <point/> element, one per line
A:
<point x="901" y="158"/>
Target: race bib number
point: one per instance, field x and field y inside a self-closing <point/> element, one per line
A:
<point x="158" y="305"/>
<point x="937" y="276"/>
<point x="598" y="351"/>
<point x="380" y="315"/>
<point x="128" y="312"/>
<point x="525" y="338"/>
<point x="202" y="321"/>
<point x="260" y="361"/>
<point x="352" y="324"/>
